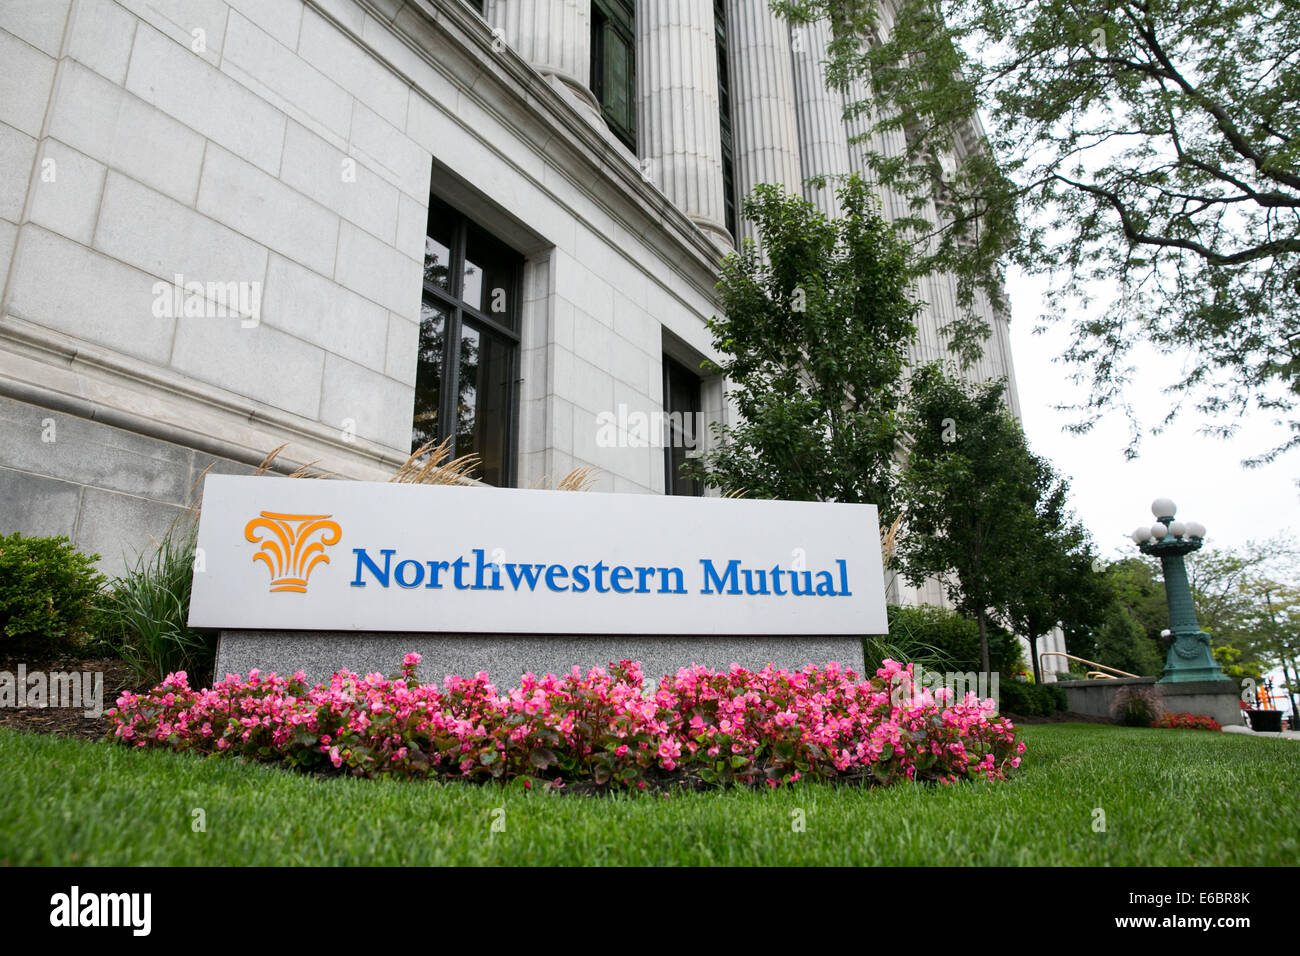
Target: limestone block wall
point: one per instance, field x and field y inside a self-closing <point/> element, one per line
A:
<point x="282" y="154"/>
<point x="111" y="491"/>
<point x="286" y="151"/>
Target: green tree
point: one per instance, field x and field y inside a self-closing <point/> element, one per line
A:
<point x="1230" y="588"/>
<point x="1150" y="147"/>
<point x="1222" y="579"/>
<point x="1134" y="614"/>
<point x="1230" y="661"/>
<point x="1278" y="615"/>
<point x="815" y="325"/>
<point x="1137" y="583"/>
<point x="1058" y="584"/>
<point x="970" y="487"/>
<point x="1233" y="591"/>
<point x="1123" y="643"/>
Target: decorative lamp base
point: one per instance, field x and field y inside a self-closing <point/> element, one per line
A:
<point x="1190" y="659"/>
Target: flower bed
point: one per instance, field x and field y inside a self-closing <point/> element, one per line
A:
<point x="604" y="729"/>
<point x="1187" y="722"/>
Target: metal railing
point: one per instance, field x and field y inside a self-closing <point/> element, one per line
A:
<point x="1115" y="673"/>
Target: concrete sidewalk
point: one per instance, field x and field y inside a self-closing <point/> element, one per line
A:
<point x="1243" y="729"/>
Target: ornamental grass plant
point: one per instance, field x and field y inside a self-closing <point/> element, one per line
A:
<point x="144" y="614"/>
<point x="1137" y="705"/>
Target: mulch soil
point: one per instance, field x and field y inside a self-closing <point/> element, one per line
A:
<point x="70" y="721"/>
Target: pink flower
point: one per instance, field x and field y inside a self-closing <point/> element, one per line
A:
<point x="838" y="722"/>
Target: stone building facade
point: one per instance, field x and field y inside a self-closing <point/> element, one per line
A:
<point x="345" y="226"/>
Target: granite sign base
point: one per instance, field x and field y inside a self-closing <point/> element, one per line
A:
<point x="507" y="657"/>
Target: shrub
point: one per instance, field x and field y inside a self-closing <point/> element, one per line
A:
<point x="1031" y="700"/>
<point x="604" y="729"/>
<point x="1137" y="705"/>
<point x="47" y="591"/>
<point x="1187" y="722"/>
<point x="145" y="612"/>
<point x="945" y="640"/>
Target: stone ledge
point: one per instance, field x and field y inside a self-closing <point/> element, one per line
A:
<point x="1106" y="682"/>
<point x="52" y="370"/>
<point x="1218" y="699"/>
<point x="1225" y="686"/>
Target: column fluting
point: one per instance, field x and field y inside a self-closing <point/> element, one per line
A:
<point x="679" y="131"/>
<point x="823" y="140"/>
<point x="766" y="128"/>
<point x="554" y="36"/>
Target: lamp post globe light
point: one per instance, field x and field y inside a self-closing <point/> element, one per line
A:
<point x="1189" y="657"/>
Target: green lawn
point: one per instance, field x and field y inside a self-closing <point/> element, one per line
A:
<point x="1171" y="797"/>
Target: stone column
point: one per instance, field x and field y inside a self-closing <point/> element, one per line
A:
<point x="679" y="132"/>
<point x="893" y="206"/>
<point x="928" y="346"/>
<point x="823" y="141"/>
<point x="554" y="36"/>
<point x="767" y="133"/>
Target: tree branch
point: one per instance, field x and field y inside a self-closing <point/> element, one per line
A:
<point x="1226" y="126"/>
<point x="1263" y="251"/>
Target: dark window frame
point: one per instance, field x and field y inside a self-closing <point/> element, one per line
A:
<point x="617" y="18"/>
<point x="675" y="369"/>
<point x="731" y="207"/>
<point x="459" y="313"/>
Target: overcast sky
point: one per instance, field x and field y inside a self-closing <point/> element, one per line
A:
<point x="1112" y="496"/>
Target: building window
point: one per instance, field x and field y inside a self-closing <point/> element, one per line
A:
<point x="683" y="427"/>
<point x="467" y="368"/>
<point x="613" y="65"/>
<point x="724" y="108"/>
<point x="476" y="5"/>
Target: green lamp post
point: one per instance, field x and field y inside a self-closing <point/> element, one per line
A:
<point x="1189" y="657"/>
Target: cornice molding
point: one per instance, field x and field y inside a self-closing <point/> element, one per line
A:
<point x="43" y="367"/>
<point x="519" y="97"/>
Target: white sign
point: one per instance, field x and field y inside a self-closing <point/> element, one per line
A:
<point x="285" y="553"/>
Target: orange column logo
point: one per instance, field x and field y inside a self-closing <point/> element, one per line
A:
<point x="295" y="544"/>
